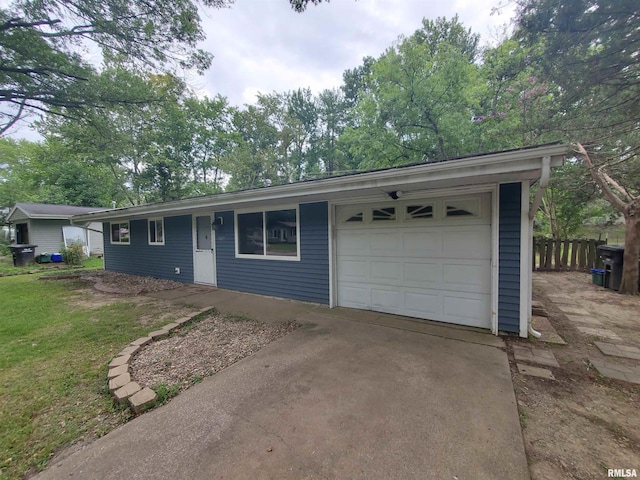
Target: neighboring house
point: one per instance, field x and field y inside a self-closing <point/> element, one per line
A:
<point x="49" y="226"/>
<point x="448" y="241"/>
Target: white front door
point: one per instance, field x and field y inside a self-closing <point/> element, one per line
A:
<point x="204" y="258"/>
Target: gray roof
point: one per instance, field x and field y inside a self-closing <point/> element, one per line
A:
<point x="44" y="210"/>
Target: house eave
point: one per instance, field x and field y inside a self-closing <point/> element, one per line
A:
<point x="490" y="168"/>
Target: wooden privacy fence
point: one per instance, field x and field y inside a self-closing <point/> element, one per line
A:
<point x="561" y="255"/>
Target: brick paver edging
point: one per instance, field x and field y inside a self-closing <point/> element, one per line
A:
<point x="121" y="385"/>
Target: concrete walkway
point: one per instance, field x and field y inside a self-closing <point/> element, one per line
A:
<point x="335" y="399"/>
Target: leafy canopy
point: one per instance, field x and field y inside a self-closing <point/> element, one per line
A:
<point x="44" y="45"/>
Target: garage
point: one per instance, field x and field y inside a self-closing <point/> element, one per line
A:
<point x="428" y="258"/>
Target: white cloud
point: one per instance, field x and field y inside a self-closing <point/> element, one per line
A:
<point x="262" y="45"/>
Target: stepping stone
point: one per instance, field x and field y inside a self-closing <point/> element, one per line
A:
<point x="562" y="299"/>
<point x="535" y="355"/>
<point x="535" y="372"/>
<point x="584" y="319"/>
<point x="573" y="310"/>
<point x="130" y="350"/>
<point x="141" y="342"/>
<point x="549" y="334"/>
<point x="121" y="360"/>
<point x="617" y="371"/>
<point x="119" y="381"/>
<point x="143" y="400"/>
<point x="621" y="351"/>
<point x="599" y="332"/>
<point x="117" y="371"/>
<point x="123" y="393"/>
<point x="537" y="308"/>
<point x="159" y="334"/>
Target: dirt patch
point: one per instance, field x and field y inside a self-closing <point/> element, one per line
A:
<point x="582" y="424"/>
<point x="202" y="349"/>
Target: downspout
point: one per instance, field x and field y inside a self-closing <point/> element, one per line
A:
<point x="544" y="182"/>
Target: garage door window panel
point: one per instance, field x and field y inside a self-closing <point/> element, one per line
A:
<point x="462" y="208"/>
<point x="419" y="212"/>
<point x="383" y="214"/>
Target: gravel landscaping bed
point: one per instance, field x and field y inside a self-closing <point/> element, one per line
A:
<point x="202" y="349"/>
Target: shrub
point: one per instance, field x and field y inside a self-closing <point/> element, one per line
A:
<point x="5" y="241"/>
<point x="72" y="255"/>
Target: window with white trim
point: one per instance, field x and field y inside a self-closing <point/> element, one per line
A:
<point x="156" y="231"/>
<point x="269" y="234"/>
<point x="120" y="233"/>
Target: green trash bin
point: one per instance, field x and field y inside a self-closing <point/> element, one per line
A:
<point x="597" y="276"/>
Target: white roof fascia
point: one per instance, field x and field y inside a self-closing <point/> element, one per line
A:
<point x="458" y="169"/>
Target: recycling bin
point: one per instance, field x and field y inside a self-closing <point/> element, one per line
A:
<point x="613" y="257"/>
<point x="23" y="254"/>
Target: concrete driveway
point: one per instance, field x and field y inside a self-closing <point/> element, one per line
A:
<point x="335" y="399"/>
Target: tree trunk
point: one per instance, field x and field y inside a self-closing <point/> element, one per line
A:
<point x="630" y="272"/>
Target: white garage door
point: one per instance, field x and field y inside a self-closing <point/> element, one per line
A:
<point x="429" y="258"/>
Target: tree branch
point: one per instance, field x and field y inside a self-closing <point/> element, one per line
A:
<point x="597" y="176"/>
<point x="15" y="118"/>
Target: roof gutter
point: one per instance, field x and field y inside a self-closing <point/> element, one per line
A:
<point x="542" y="187"/>
<point x="544" y="182"/>
<point x="487" y="164"/>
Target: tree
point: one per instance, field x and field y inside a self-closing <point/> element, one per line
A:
<point x="50" y="172"/>
<point x="41" y="44"/>
<point x="418" y="101"/>
<point x="589" y="49"/>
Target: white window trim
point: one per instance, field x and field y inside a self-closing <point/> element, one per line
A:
<point x="265" y="233"/>
<point x="157" y="219"/>
<point x="111" y="233"/>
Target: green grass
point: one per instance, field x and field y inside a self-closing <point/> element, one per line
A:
<point x="7" y="268"/>
<point x="53" y="365"/>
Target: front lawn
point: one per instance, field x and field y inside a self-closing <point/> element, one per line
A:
<point x="56" y="343"/>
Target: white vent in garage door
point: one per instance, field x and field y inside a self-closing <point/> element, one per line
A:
<point x="429" y="259"/>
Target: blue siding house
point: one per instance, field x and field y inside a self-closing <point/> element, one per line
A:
<point x="446" y="241"/>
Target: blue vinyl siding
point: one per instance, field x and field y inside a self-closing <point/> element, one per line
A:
<point x="140" y="258"/>
<point x="509" y="258"/>
<point x="307" y="279"/>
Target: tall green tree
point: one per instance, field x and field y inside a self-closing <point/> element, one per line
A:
<point x="41" y="45"/>
<point x="419" y="99"/>
<point x="590" y="49"/>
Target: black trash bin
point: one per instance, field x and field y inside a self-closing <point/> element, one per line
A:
<point x="23" y="254"/>
<point x="613" y="256"/>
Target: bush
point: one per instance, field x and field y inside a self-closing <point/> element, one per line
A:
<point x="5" y="241"/>
<point x="72" y="255"/>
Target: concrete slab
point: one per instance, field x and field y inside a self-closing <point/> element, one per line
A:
<point x="535" y="371"/>
<point x="333" y="399"/>
<point x="598" y="332"/>
<point x="562" y="299"/>
<point x="437" y="329"/>
<point x="228" y="302"/>
<point x="530" y="354"/>
<point x="584" y="319"/>
<point x="549" y="334"/>
<point x="621" y="351"/>
<point x="572" y="309"/>
<point x="617" y="371"/>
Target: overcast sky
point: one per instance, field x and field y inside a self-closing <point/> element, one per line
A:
<point x="264" y="46"/>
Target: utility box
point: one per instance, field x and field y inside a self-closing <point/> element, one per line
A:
<point x="613" y="257"/>
<point x="23" y="254"/>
